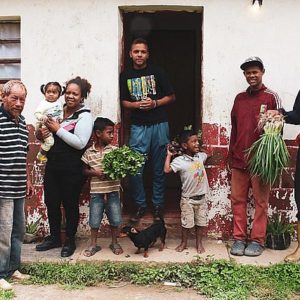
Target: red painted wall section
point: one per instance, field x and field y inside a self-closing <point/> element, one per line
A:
<point x="216" y="140"/>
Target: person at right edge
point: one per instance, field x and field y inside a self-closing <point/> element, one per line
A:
<point x="293" y="117"/>
<point x="244" y="120"/>
<point x="146" y="91"/>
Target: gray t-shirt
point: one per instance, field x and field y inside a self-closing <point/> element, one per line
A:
<point x="192" y="173"/>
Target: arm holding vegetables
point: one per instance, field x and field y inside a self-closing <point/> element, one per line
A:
<point x="91" y="172"/>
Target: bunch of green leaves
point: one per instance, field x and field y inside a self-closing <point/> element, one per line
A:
<point x="121" y="162"/>
<point x="278" y="226"/>
<point x="32" y="227"/>
<point x="268" y="156"/>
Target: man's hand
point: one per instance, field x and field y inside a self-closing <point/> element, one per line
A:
<point x="272" y="113"/>
<point x="147" y="104"/>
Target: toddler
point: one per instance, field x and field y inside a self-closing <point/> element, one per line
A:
<point x="50" y="107"/>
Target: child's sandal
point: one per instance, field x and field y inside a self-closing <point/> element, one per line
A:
<point x="116" y="248"/>
<point x="91" y="251"/>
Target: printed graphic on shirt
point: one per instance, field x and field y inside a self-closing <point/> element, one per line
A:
<point x="197" y="168"/>
<point x="141" y="87"/>
<point x="55" y="112"/>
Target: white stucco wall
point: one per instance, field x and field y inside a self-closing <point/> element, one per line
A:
<point x="61" y="39"/>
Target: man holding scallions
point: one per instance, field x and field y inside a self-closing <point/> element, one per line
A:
<point x="245" y="113"/>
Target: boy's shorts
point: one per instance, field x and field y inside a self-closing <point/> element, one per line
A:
<point x="112" y="208"/>
<point x="193" y="212"/>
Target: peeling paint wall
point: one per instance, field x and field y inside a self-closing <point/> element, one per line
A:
<point x="62" y="39"/>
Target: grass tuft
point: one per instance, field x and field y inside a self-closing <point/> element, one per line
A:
<point x="218" y="279"/>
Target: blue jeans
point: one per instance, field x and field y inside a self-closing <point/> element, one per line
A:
<point x="111" y="206"/>
<point x="12" y="228"/>
<point x="150" y="141"/>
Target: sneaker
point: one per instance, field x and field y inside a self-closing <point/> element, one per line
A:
<point x="41" y="157"/>
<point x="50" y="242"/>
<point x="138" y="214"/>
<point x="254" y="249"/>
<point x="238" y="248"/>
<point x="157" y="214"/>
<point x="17" y="275"/>
<point x="4" y="285"/>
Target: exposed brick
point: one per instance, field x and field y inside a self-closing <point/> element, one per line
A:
<point x="280" y="198"/>
<point x="291" y="143"/>
<point x="224" y="136"/>
<point x="293" y="155"/>
<point x="287" y="179"/>
<point x="219" y="156"/>
<point x="210" y="134"/>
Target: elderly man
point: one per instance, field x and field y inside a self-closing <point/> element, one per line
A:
<point x="14" y="183"/>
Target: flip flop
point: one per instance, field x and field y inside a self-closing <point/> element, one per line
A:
<point x="91" y="251"/>
<point x="116" y="248"/>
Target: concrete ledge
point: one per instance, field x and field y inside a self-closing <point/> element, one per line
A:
<point x="214" y="248"/>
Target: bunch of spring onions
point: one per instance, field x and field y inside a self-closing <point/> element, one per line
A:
<point x="268" y="156"/>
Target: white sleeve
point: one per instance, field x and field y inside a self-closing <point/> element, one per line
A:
<point x="39" y="112"/>
<point x="82" y="132"/>
<point x="202" y="155"/>
<point x="175" y="164"/>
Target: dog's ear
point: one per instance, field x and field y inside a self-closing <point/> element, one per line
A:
<point x="133" y="230"/>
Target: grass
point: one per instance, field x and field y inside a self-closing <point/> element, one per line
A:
<point x="6" y="295"/>
<point x="217" y="279"/>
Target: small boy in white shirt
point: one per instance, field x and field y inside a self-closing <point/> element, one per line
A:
<point x="194" y="181"/>
<point x="50" y="107"/>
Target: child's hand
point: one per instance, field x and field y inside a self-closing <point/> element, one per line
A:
<point x="169" y="152"/>
<point x="100" y="174"/>
<point x="44" y="118"/>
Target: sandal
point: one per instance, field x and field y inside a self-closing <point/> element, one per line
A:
<point x="91" y="251"/>
<point x="116" y="248"/>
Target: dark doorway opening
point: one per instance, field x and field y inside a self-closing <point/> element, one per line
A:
<point x="175" y="44"/>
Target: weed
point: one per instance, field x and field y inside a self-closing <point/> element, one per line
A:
<point x="218" y="279"/>
<point x="6" y="295"/>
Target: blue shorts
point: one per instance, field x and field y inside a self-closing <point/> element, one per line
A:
<point x="112" y="209"/>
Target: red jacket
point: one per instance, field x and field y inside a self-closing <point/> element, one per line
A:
<point x="244" y="119"/>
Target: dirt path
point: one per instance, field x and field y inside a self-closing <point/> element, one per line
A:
<point x="116" y="292"/>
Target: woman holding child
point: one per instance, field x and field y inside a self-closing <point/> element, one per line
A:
<point x="64" y="169"/>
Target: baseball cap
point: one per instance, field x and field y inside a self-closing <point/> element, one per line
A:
<point x="252" y="61"/>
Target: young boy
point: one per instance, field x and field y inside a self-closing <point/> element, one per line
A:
<point x="104" y="191"/>
<point x="194" y="187"/>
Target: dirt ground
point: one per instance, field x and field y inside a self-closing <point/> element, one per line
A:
<point x="121" y="291"/>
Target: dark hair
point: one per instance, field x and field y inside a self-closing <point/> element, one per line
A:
<point x="139" y="41"/>
<point x="84" y="85"/>
<point x="101" y="123"/>
<point x="185" y="135"/>
<point x="44" y="87"/>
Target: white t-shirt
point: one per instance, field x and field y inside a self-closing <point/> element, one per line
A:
<point x="192" y="174"/>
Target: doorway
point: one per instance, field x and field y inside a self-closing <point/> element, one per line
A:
<point x="175" y="44"/>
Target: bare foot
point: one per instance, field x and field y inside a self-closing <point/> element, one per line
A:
<point x="181" y="247"/>
<point x="200" y="248"/>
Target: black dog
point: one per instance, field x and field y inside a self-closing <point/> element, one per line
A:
<point x="146" y="238"/>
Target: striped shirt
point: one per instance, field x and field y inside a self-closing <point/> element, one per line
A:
<point x="13" y="152"/>
<point x="93" y="158"/>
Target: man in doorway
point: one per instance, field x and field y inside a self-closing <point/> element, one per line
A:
<point x="244" y="120"/>
<point x="14" y="183"/>
<point x="146" y="91"/>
